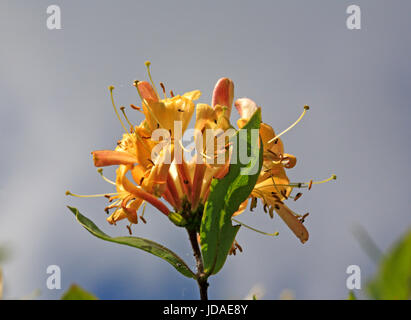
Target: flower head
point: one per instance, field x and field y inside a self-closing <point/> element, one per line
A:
<point x="151" y="167"/>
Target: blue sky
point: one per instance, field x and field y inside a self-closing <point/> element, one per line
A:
<point x="55" y="110"/>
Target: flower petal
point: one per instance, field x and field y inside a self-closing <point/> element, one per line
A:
<point x="292" y="222"/>
<point x="246" y="108"/>
<point x="223" y="94"/>
<point x="104" y="158"/>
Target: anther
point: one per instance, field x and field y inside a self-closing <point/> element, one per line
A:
<point x="303" y="217"/>
<point x="310" y="185"/>
<point x="135" y="107"/>
<point x="164" y="89"/>
<point x="253" y="203"/>
<point x="142" y="219"/>
<point x="270" y="211"/>
<point x="129" y="229"/>
<point x="298" y="196"/>
<point x="172" y="93"/>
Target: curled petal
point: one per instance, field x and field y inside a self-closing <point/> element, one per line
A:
<point x="289" y="161"/>
<point x="205" y="117"/>
<point x="246" y="108"/>
<point x="192" y="95"/>
<point x="117" y="215"/>
<point x="104" y="158"/>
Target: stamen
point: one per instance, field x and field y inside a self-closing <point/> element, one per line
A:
<point x="135" y="107"/>
<point x="171" y="93"/>
<point x="303" y="185"/>
<point x="148" y="63"/>
<point x="333" y="177"/>
<point x="302" y="219"/>
<point x="164" y="89"/>
<point x="271" y="212"/>
<point x="125" y="116"/>
<point x="238" y="246"/>
<point x="253" y="203"/>
<point x="129" y="229"/>
<point x="306" y="108"/>
<point x="298" y="196"/>
<point x="100" y="170"/>
<point x="144" y="209"/>
<point x="256" y="230"/>
<point x="111" y="88"/>
<point x="68" y="193"/>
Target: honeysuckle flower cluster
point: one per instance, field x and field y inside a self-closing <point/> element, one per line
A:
<point x="154" y="172"/>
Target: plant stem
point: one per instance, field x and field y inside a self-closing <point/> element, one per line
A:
<point x="200" y="276"/>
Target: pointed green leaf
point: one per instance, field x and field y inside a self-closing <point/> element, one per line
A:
<point x="75" y="292"/>
<point x="393" y="280"/>
<point x="217" y="232"/>
<point x="136" y="242"/>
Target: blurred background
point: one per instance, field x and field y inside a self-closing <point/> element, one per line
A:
<point x="55" y="109"/>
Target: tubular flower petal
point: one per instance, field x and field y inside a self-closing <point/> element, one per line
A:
<point x="223" y="95"/>
<point x="104" y="158"/>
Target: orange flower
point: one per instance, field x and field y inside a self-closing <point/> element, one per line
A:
<point x="160" y="174"/>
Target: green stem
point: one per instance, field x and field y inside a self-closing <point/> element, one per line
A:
<point x="200" y="276"/>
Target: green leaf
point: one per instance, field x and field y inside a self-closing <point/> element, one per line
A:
<point x="393" y="279"/>
<point x="75" y="292"/>
<point x="217" y="232"/>
<point x="136" y="242"/>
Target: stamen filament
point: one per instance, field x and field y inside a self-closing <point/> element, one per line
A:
<point x="148" y="63"/>
<point x="302" y="185"/>
<point x="100" y="171"/>
<point x="256" y="230"/>
<point x="144" y="209"/>
<point x="111" y="88"/>
<point x="306" y="108"/>
<point x="68" y="193"/>
<point x="125" y="116"/>
<point x="333" y="177"/>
